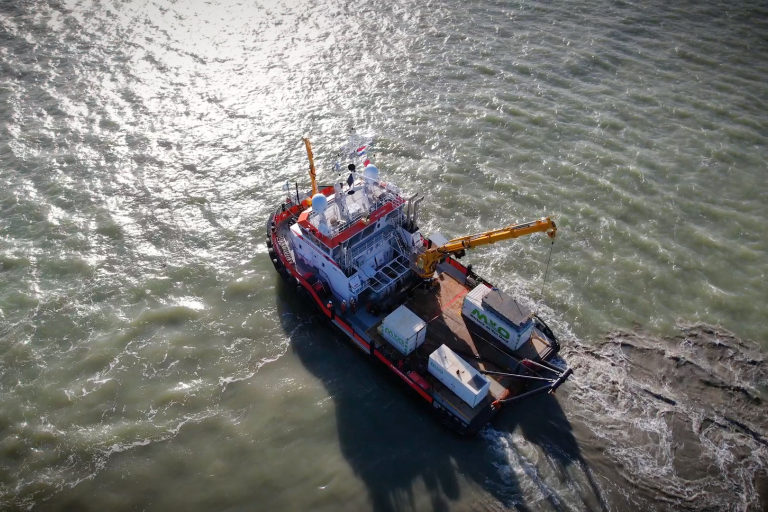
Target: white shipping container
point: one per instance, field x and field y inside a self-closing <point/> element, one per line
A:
<point x="485" y="318"/>
<point x="461" y="378"/>
<point x="404" y="330"/>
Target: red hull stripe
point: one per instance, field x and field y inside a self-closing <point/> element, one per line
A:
<point x="404" y="377"/>
<point x="383" y="359"/>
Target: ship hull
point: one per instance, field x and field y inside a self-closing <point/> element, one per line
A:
<point x="448" y="411"/>
<point x="294" y="279"/>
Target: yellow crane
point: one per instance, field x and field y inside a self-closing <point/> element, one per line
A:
<point x="311" y="165"/>
<point x="427" y="262"/>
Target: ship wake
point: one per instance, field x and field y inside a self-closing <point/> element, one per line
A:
<point x="682" y="418"/>
<point x="661" y="423"/>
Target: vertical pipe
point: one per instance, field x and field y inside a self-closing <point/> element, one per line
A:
<point x="416" y="211"/>
<point x="408" y="214"/>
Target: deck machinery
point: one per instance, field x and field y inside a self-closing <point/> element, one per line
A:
<point x="460" y="344"/>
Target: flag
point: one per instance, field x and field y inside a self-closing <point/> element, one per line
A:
<point x="361" y="151"/>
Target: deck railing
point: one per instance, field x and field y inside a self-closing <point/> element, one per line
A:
<point x="389" y="198"/>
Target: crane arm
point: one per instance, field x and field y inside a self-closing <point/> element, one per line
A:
<point x="427" y="261"/>
<point x="311" y="165"/>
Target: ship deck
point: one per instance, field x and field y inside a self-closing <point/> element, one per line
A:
<point x="440" y="307"/>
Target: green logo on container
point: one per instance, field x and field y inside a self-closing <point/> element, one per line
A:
<point x="398" y="338"/>
<point x="493" y="326"/>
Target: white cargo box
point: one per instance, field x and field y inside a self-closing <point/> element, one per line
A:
<point x="461" y="378"/>
<point x="476" y="311"/>
<point x="404" y="330"/>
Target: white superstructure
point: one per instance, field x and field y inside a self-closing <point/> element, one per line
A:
<point x="353" y="235"/>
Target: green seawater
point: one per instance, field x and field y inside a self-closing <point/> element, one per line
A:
<point x="151" y="358"/>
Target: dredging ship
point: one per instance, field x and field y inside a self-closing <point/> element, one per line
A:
<point x="457" y="342"/>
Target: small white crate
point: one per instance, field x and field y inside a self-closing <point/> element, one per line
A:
<point x="461" y="378"/>
<point x="404" y="330"/>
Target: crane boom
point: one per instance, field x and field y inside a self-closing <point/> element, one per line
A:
<point x="426" y="262"/>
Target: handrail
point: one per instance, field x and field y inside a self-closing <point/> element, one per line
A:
<point x="397" y="200"/>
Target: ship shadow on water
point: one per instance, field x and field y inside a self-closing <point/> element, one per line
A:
<point x="405" y="457"/>
<point x="543" y="423"/>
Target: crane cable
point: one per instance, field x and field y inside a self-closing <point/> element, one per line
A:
<point x="544" y="281"/>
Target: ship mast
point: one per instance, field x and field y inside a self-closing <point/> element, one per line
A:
<point x="311" y="165"/>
